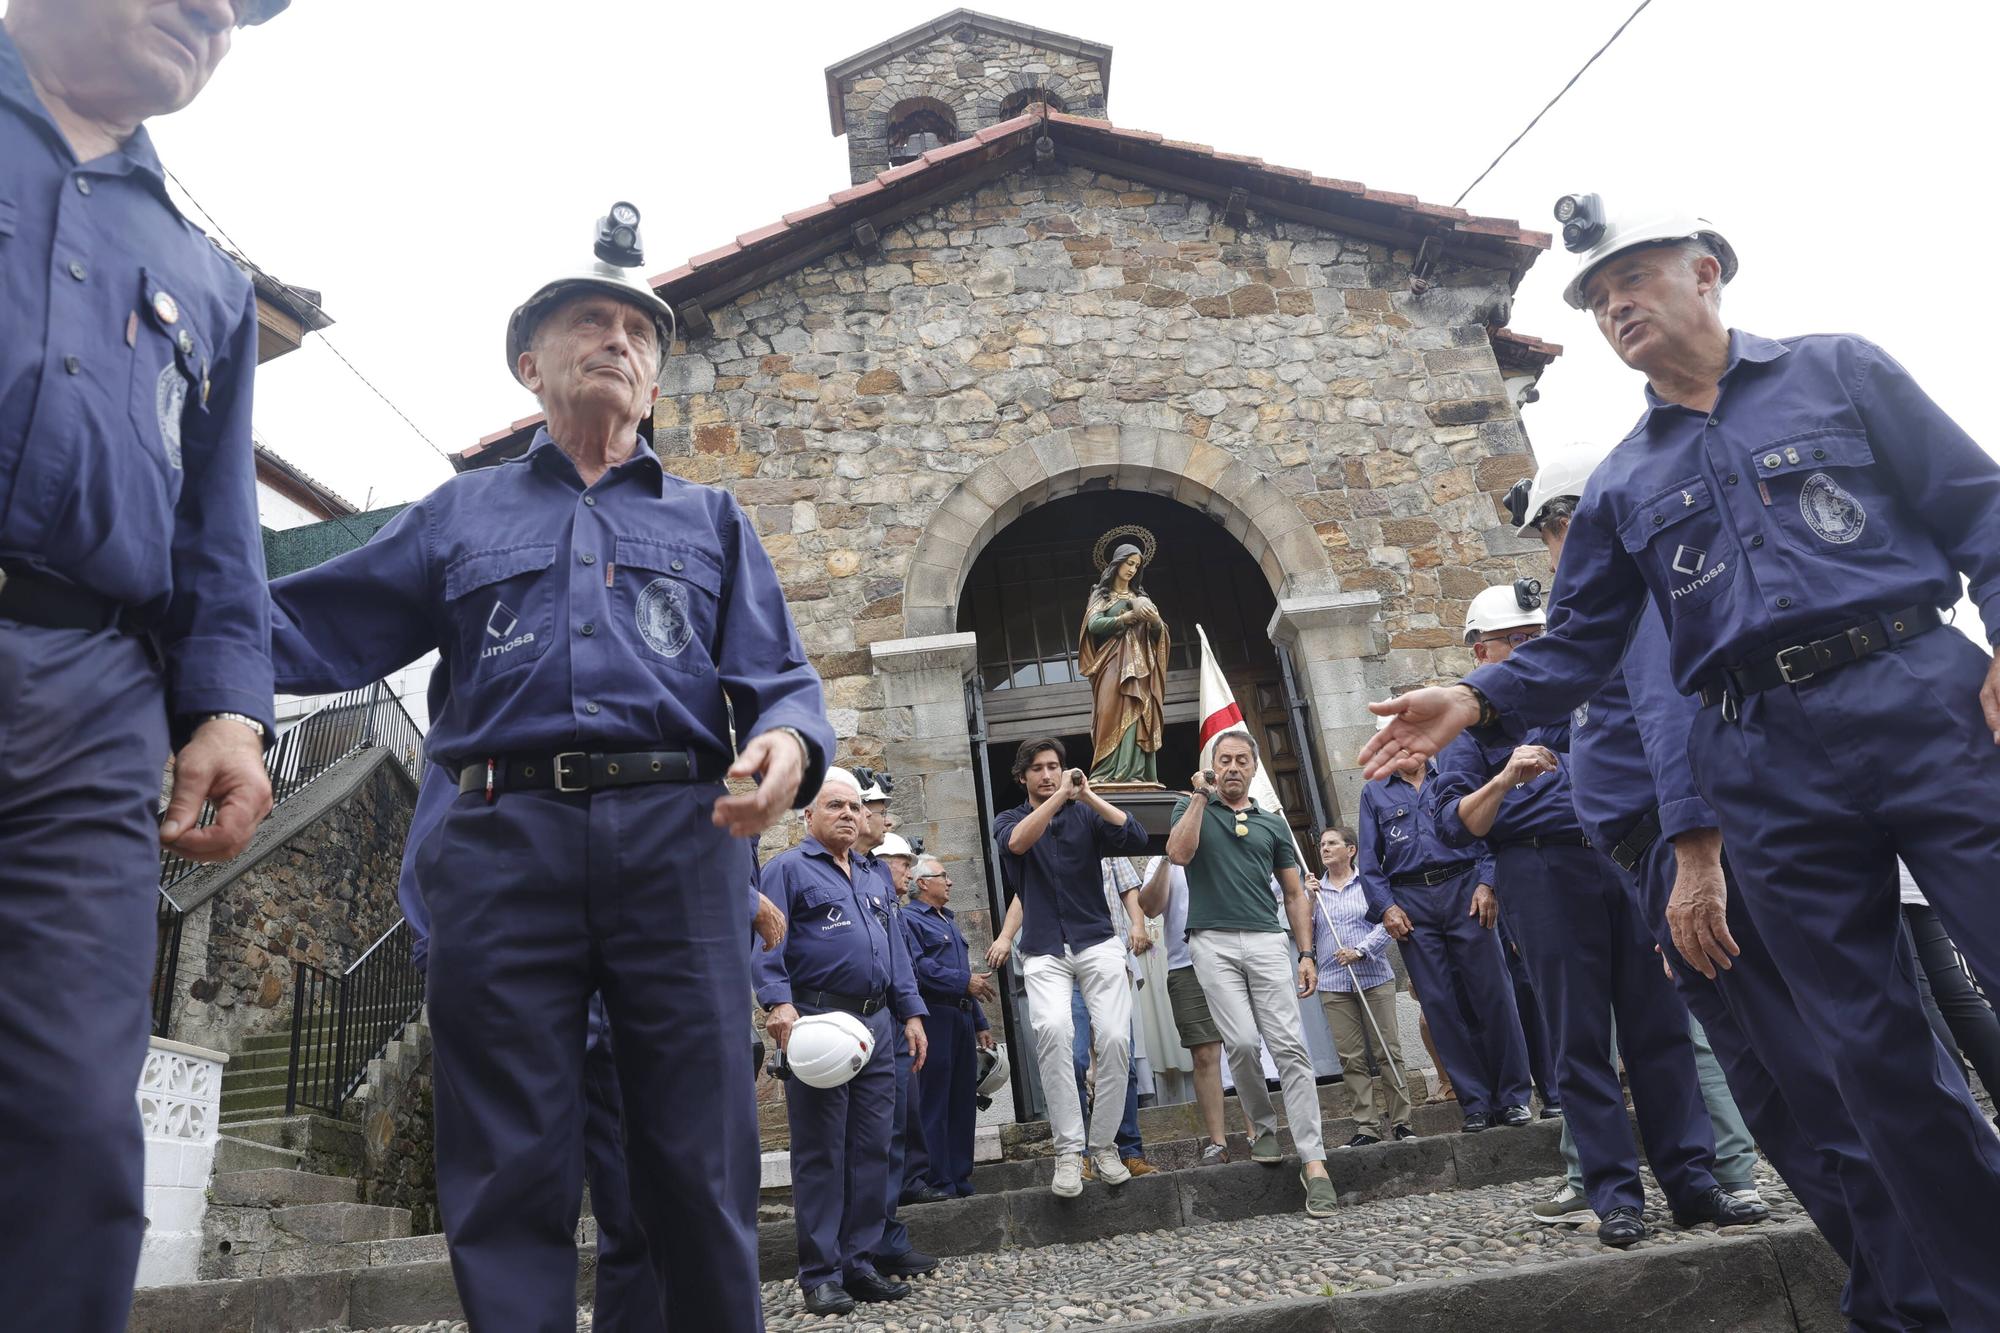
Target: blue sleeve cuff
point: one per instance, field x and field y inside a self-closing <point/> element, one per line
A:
<point x="1501" y="690"/>
<point x="1678" y="817"/>
<point x="1452" y="829"/>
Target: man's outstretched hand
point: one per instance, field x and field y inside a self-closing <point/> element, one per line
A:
<point x="1425" y="721"/>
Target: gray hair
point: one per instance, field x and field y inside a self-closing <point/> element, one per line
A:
<point x="936" y="866"/>
<point x="1693" y="248"/>
<point x="1244" y="737"/>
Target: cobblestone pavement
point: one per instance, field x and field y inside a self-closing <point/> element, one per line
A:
<point x="1150" y="1274"/>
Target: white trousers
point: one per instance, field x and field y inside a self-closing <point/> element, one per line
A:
<point x="1107" y="998"/>
<point x="1252" y="987"/>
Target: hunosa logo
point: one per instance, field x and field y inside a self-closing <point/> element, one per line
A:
<point x="1715" y="571"/>
<point x="499" y="625"/>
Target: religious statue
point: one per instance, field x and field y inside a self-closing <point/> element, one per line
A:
<point x="1123" y="650"/>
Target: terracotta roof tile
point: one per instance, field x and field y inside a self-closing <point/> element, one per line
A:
<point x="1527" y="342"/>
<point x="1390" y="197"/>
<point x="1206" y="150"/>
<point x="1005" y="128"/>
<point x="807" y="214"/>
<point x="672" y="275"/>
<point x="764" y="233"/>
<point x="711" y="256"/>
<point x="951" y="150"/>
<point x="861" y="191"/>
<point x="1343" y="187"/>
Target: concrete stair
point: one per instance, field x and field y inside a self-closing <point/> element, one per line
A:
<point x="254" y="1083"/>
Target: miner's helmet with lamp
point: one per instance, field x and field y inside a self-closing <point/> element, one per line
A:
<point x="1505" y="606"/>
<point x="1562" y="476"/>
<point x="1591" y="234"/>
<point x="619" y="254"/>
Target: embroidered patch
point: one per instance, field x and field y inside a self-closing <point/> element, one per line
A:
<point x="1832" y="514"/>
<point x="663" y="619"/>
<point x="169" y="398"/>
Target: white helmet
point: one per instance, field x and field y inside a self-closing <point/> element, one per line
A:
<point x="826" y="1050"/>
<point x="1594" y="237"/>
<point x="614" y="270"/>
<point x="992" y="1070"/>
<point x="1507" y="606"/>
<point x="1553" y="480"/>
<point x="894" y="844"/>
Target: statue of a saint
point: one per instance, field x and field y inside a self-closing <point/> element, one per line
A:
<point x="1123" y="650"/>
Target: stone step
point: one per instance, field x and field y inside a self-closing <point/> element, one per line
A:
<point x="281" y="1040"/>
<point x="256" y="1240"/>
<point x="236" y="1154"/>
<point x="326" y="1146"/>
<point x="278" y="1188"/>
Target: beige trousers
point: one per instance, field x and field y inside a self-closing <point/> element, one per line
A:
<point x="1344" y="1017"/>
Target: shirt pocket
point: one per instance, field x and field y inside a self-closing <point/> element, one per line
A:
<point x="1679" y="540"/>
<point x="669" y="598"/>
<point x="502" y="606"/>
<point x="1820" y="492"/>
<point x="1399" y="827"/>
<point x="823" y="909"/>
<point x="170" y="372"/>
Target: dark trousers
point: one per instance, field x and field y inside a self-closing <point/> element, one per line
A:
<point x="945" y="1091"/>
<point x="83" y="740"/>
<point x="906" y="1140"/>
<point x="841" y="1178"/>
<point x="537" y="901"/>
<point x="628" y="1296"/>
<point x="1534" y="1028"/>
<point x="1817" y="787"/>
<point x="916" y="1143"/>
<point x="1128" y="1140"/>
<point x="1446" y="949"/>
<point x="1971" y="1029"/>
<point x="1792" y="1101"/>
<point x="1591" y="962"/>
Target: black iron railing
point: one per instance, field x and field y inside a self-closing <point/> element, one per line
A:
<point x="166" y="963"/>
<point x="341" y="1022"/>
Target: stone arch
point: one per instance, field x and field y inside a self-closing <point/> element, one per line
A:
<point x="868" y="132"/>
<point x="1075" y="95"/>
<point x="1267" y="522"/>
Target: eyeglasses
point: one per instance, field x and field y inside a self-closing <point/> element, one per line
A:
<point x="1515" y="637"/>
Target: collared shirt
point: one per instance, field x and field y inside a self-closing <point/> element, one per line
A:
<point x="893" y="910"/>
<point x="839" y="936"/>
<point x="1397" y="836"/>
<point x="1541" y="808"/>
<point x="1229" y="879"/>
<point x="940" y="956"/>
<point x="1822" y="486"/>
<point x="1628" y="746"/>
<point x="1345" y="906"/>
<point x="125" y="376"/>
<point x="638" y="611"/>
<point x="1174" y="925"/>
<point x="1059" y="881"/>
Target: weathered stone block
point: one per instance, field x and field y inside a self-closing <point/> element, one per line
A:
<point x="1148" y="1203"/>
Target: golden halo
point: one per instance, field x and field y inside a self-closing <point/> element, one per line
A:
<point x="1100" y="555"/>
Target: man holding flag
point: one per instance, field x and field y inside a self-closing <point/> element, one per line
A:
<point x="1232" y="846"/>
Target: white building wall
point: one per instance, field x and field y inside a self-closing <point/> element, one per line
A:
<point x="180" y="1101"/>
<point x="279" y="512"/>
<point x="409" y="685"/>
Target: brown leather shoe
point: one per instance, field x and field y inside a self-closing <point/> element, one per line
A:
<point x="1139" y="1166"/>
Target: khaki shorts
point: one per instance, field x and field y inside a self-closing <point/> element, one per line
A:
<point x="1191" y="1017"/>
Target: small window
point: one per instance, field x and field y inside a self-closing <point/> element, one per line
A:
<point x="1016" y="103"/>
<point x="917" y="126"/>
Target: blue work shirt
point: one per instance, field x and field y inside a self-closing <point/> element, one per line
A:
<point x="1059" y="881"/>
<point x="1823" y="485"/>
<point x="1628" y="746"/>
<point x="1397" y="836"/>
<point x="892" y="909"/>
<point x="1540" y="809"/>
<point x="940" y="955"/>
<point x="640" y="611"/>
<point x="125" y="373"/>
<point x="839" y="938"/>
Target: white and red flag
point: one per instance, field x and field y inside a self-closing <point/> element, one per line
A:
<point x="1221" y="715"/>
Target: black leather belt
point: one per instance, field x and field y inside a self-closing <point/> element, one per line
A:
<point x="1629" y="850"/>
<point x="35" y="599"/>
<point x="1544" y="840"/>
<point x="1435" y="875"/>
<point x="853" y="1004"/>
<point x="1803" y="661"/>
<point x="577" y="770"/>
<point x="934" y="1000"/>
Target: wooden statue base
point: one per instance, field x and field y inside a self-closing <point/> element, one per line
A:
<point x="1149" y="803"/>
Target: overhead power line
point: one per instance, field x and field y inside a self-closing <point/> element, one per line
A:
<point x="1552" y="101"/>
<point x="293" y="293"/>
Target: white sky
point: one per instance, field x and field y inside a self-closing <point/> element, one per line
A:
<point x="426" y="166"/>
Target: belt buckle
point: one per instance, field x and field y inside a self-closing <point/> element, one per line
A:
<point x="1785" y="667"/>
<point x="562" y="777"/>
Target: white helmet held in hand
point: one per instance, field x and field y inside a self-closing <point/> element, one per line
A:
<point x="1508" y="606"/>
<point x="992" y="1070"/>
<point x="826" y="1050"/>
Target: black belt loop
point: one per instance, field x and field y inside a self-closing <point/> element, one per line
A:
<point x="1629" y="850"/>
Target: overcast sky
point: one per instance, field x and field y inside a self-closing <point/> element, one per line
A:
<point x="427" y="165"/>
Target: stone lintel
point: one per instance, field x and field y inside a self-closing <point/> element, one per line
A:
<point x="1327" y="610"/>
<point x="956" y="653"/>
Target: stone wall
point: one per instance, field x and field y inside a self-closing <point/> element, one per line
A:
<point x="969" y="70"/>
<point x="323" y="896"/>
<point x="398" y="1167"/>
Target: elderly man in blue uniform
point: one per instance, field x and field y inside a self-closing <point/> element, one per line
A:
<point x="843" y="953"/>
<point x="957" y="1027"/>
<point x="1050" y="846"/>
<point x="1590" y="959"/>
<point x="605" y="628"/>
<point x="133" y="617"/>
<point x="1437" y="903"/>
<point x="1797" y="510"/>
<point x="1636" y="799"/>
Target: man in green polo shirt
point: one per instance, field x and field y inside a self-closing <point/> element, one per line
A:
<point x="1232" y="849"/>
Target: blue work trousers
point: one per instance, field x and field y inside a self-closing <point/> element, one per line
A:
<point x="842" y="1182"/>
<point x="1448" y="951"/>
<point x="83" y="741"/>
<point x="945" y="1094"/>
<point x="537" y="900"/>
<point x="1534" y="1028"/>
<point x="1128" y="1140"/>
<point x="906" y="1143"/>
<point x="1791" y="1099"/>
<point x="1817" y="788"/>
<point x="1590" y="959"/>
<point x="628" y="1295"/>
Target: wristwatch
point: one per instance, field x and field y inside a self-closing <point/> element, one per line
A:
<point x="1488" y="715"/>
<point x="244" y="718"/>
<point x="805" y="751"/>
<point x="1305" y="954"/>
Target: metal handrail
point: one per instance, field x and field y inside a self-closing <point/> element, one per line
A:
<point x="342" y="1023"/>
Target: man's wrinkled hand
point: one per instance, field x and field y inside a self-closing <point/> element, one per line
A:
<point x="981" y="986"/>
<point x="1485" y="906"/>
<point x="1141" y="940"/>
<point x="1308" y="976"/>
<point x="1347" y="957"/>
<point x="1397" y="922"/>
<point x="1425" y="722"/>
<point x="1529" y="762"/>
<point x="986" y="1042"/>
<point x="1698" y="915"/>
<point x="1989" y="699"/>
<point x="913" y="1033"/>
<point x="224" y="764"/>
<point x="769" y="923"/>
<point x="778" y="761"/>
<point x="779" y="1022"/>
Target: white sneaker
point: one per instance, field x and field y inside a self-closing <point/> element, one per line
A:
<point x="1110" y="1169"/>
<point x="1069" y="1175"/>
<point x="1748" y="1195"/>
